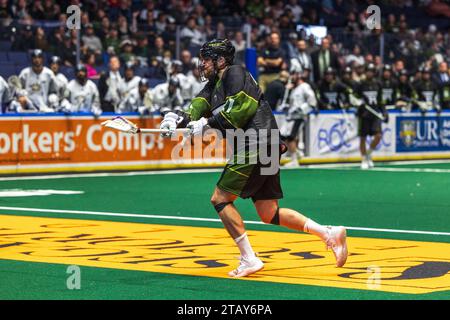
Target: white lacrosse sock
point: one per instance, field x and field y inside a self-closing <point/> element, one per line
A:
<point x="245" y="247"/>
<point x="316" y="229"/>
<point x="369" y="153"/>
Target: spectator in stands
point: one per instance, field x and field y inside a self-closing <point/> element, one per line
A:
<point x="322" y="59"/>
<point x="109" y="86"/>
<point x="302" y="59"/>
<point x="68" y="51"/>
<point x="290" y="46"/>
<point x="141" y="50"/>
<point x="275" y="91"/>
<point x="20" y="9"/>
<point x="296" y="9"/>
<point x="24" y="40"/>
<point x="91" y="41"/>
<point x="240" y="45"/>
<point x="355" y="56"/>
<point x="126" y="49"/>
<point x="191" y="35"/>
<point x="112" y="41"/>
<point x="186" y="60"/>
<point x="158" y="48"/>
<point x="40" y="40"/>
<point x="270" y="61"/>
<point x="89" y="63"/>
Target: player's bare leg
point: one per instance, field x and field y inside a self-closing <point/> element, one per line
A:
<point x="376" y="140"/>
<point x="292" y="149"/>
<point x="363" y="150"/>
<point x="232" y="221"/>
<point x="334" y="237"/>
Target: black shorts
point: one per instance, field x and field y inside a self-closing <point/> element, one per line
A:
<point x="247" y="181"/>
<point x="293" y="134"/>
<point x="369" y="126"/>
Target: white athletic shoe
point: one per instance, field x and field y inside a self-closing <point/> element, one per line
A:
<point x="246" y="267"/>
<point x="292" y="164"/>
<point x="364" y="164"/>
<point x="370" y="163"/>
<point x="338" y="244"/>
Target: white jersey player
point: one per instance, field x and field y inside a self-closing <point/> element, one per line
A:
<point x="130" y="81"/>
<point x="302" y="100"/>
<point x="184" y="81"/>
<point x="138" y="100"/>
<point x="61" y="83"/>
<point x="82" y="94"/>
<point x="38" y="81"/>
<point x="167" y="96"/>
<point x="5" y="94"/>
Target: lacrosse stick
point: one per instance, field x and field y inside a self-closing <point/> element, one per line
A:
<point x="374" y="112"/>
<point x="125" y="125"/>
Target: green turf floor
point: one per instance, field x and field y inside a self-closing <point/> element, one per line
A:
<point x="374" y="199"/>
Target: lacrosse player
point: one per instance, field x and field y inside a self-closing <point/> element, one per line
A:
<point x="330" y="92"/>
<point x="232" y="99"/>
<point x="130" y="81"/>
<point x="302" y="100"/>
<point x="5" y="94"/>
<point x="38" y="81"/>
<point x="138" y="99"/>
<point x="427" y="92"/>
<point x="82" y="94"/>
<point x="54" y="100"/>
<point x="167" y="96"/>
<point x="370" y="113"/>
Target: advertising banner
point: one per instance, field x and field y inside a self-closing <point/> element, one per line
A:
<point x="335" y="135"/>
<point x="422" y="133"/>
<point x="71" y="142"/>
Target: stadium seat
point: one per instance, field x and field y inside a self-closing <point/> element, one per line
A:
<point x="153" y="82"/>
<point x="68" y="72"/>
<point x="5" y="45"/>
<point x="19" y="57"/>
<point x="4" y="57"/>
<point x="7" y="70"/>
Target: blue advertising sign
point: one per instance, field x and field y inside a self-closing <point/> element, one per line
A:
<point x="421" y="133"/>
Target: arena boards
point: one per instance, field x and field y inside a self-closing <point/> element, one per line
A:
<point x="399" y="266"/>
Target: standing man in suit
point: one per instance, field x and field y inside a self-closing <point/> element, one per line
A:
<point x="322" y="59"/>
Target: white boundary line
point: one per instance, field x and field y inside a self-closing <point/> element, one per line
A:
<point x="108" y="174"/>
<point x="150" y="216"/>
<point x="342" y="166"/>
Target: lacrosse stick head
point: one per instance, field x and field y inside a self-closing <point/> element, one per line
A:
<point x="121" y="124"/>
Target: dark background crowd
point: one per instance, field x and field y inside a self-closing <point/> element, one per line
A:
<point x="414" y="34"/>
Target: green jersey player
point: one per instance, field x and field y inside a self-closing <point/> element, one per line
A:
<point x="230" y="100"/>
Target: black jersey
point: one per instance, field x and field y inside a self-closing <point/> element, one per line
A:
<point x="331" y="95"/>
<point x="369" y="92"/>
<point x="405" y="91"/>
<point x="427" y="91"/>
<point x="444" y="95"/>
<point x="388" y="91"/>
<point x="232" y="102"/>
